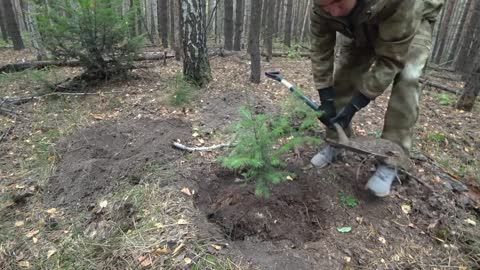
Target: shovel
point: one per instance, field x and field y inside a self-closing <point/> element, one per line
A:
<point x="386" y="151"/>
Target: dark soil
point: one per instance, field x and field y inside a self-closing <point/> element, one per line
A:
<point x="100" y="159"/>
<point x="302" y="216"/>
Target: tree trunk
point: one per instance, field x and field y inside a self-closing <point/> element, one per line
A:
<point x="288" y="24"/>
<point x="178" y="30"/>
<point x="443" y="34"/>
<point x="36" y="38"/>
<point x="153" y="10"/>
<point x="196" y="67"/>
<point x="3" y="26"/>
<point x="269" y="31"/>
<point x="12" y="25"/>
<point x="305" y="25"/>
<point x="237" y="44"/>
<point x="464" y="59"/>
<point x="228" y="25"/>
<point x="459" y="32"/>
<point x="278" y="14"/>
<point x="132" y="20"/>
<point x="471" y="91"/>
<point x="296" y="17"/>
<point x="162" y="6"/>
<point x="172" y="23"/>
<point x="264" y="16"/>
<point x="254" y="40"/>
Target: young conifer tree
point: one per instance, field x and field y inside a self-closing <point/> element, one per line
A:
<point x="261" y="140"/>
<point x="92" y="31"/>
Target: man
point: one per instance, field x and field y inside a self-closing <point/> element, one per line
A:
<point x="387" y="41"/>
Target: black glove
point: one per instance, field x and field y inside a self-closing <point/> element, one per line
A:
<point x="344" y="117"/>
<point x="327" y="96"/>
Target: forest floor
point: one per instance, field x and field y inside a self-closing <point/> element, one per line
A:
<point x="93" y="182"/>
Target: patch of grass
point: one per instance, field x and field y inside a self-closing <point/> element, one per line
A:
<point x="160" y="222"/>
<point x="446" y="99"/>
<point x="54" y="118"/>
<point x="348" y="201"/>
<point x="46" y="78"/>
<point x="294" y="52"/>
<point x="215" y="263"/>
<point x="183" y="91"/>
<point x="437" y="137"/>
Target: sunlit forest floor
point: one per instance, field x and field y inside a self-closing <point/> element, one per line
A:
<point x="92" y="181"/>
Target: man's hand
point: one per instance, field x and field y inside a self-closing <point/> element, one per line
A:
<point x="344" y="117"/>
<point x="327" y="96"/>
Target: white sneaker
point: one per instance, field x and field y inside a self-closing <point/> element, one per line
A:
<point x="381" y="182"/>
<point x="326" y="156"/>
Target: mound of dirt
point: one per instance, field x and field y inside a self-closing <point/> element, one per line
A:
<point x="292" y="212"/>
<point x="102" y="158"/>
<point x="299" y="210"/>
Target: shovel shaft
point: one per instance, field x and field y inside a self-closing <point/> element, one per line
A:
<point x="278" y="77"/>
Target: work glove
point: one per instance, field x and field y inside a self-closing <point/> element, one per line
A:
<point x="327" y="96"/>
<point x="344" y="117"/>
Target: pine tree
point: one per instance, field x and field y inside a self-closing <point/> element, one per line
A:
<point x="92" y="32"/>
<point x="261" y="140"/>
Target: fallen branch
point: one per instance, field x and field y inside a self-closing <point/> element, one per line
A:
<point x="285" y="54"/>
<point x="16" y="67"/>
<point x="202" y="148"/>
<point x="22" y="100"/>
<point x="440" y="86"/>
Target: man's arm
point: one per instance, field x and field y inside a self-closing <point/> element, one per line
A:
<point x="322" y="51"/>
<point x="391" y="47"/>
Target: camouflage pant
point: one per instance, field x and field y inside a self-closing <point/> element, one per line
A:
<point x="403" y="107"/>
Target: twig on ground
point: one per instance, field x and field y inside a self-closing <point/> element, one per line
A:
<point x="6" y="133"/>
<point x="202" y="148"/>
<point x="360" y="166"/>
<point x="442" y="173"/>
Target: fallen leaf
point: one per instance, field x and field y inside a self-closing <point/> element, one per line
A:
<point x="382" y="240"/>
<point x="344" y="229"/>
<point x="217" y="247"/>
<point x="35" y="240"/>
<point x="144" y="261"/>
<point x="161" y="251"/>
<point x="201" y="141"/>
<point x="470" y="222"/>
<point x="17" y="186"/>
<point x="19" y="223"/>
<point x="178" y="248"/>
<point x="187" y="260"/>
<point x="51" y="211"/>
<point x="24" y="264"/>
<point x="32" y="233"/>
<point x="186" y="191"/>
<point x="195" y="134"/>
<point x="159" y="225"/>
<point x="407" y="209"/>
<point x="289" y="178"/>
<point x="182" y="222"/>
<point x="51" y="252"/>
<point x="98" y="116"/>
<point x="103" y="204"/>
<point x="359" y="220"/>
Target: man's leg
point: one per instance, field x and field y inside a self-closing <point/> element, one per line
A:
<point x="352" y="61"/>
<point x="403" y="107"/>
